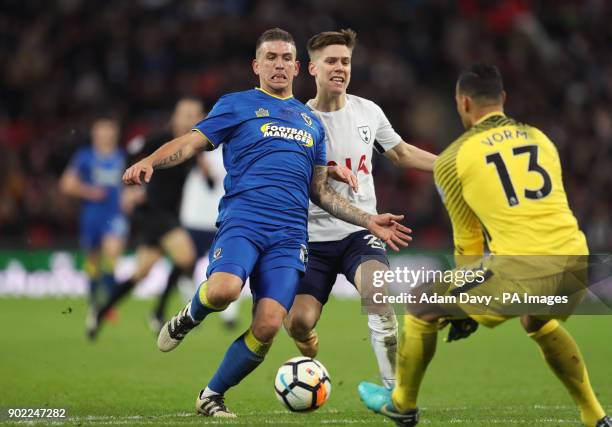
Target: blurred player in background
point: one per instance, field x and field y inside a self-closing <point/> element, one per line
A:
<point x="274" y="153"/>
<point x="199" y="216"/>
<point x="500" y="180"/>
<point x="94" y="176"/>
<point x="354" y="127"/>
<point x="156" y="217"/>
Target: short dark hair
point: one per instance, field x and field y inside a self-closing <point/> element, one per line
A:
<point x="274" y="34"/>
<point x="346" y="37"/>
<point x="106" y="116"/>
<point x="188" y="98"/>
<point x="481" y="81"/>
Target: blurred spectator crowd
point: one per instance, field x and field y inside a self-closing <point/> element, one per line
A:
<point x="62" y="62"/>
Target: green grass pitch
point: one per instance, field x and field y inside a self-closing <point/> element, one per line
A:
<point x="496" y="377"/>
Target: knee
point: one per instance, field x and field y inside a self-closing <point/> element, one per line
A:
<point x="300" y="324"/>
<point x="532" y="324"/>
<point x="429" y="317"/>
<point x="223" y="288"/>
<point x="265" y="329"/>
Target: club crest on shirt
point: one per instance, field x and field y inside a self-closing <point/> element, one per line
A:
<point x="262" y="112"/>
<point x="365" y="134"/>
<point x="303" y="254"/>
<point x="307" y="119"/>
<point x="217" y="253"/>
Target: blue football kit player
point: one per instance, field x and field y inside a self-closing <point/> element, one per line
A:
<point x="94" y="176"/>
<point x="274" y="154"/>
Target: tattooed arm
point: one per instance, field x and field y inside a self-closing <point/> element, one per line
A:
<point x="168" y="155"/>
<point x="383" y="226"/>
<point x="331" y="201"/>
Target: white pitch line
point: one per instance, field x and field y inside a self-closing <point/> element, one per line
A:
<point x="271" y="418"/>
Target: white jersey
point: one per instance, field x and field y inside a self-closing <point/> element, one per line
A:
<point x="199" y="202"/>
<point x="351" y="135"/>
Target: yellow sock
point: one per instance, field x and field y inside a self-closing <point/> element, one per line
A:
<point x="92" y="269"/>
<point x="415" y="351"/>
<point x="107" y="265"/>
<point x="563" y="356"/>
<point x="258" y="347"/>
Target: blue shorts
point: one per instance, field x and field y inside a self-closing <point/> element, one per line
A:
<point x="273" y="258"/>
<point x="328" y="259"/>
<point x="95" y="227"/>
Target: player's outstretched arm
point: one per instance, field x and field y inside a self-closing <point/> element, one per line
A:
<point x="168" y="155"/>
<point x="383" y="226"/>
<point x="407" y="156"/>
<point x="72" y="185"/>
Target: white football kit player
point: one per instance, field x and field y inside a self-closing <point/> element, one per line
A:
<point x="353" y="132"/>
<point x="337" y="247"/>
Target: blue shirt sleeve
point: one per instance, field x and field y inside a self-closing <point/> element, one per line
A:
<point x="219" y="123"/>
<point x="320" y="150"/>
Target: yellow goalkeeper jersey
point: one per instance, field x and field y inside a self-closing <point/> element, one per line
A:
<point x="501" y="180"/>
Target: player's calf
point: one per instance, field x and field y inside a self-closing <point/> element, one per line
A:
<point x="268" y="320"/>
<point x="383" y="337"/>
<point x="309" y="346"/>
<point x="305" y="337"/>
<point x="300" y="323"/>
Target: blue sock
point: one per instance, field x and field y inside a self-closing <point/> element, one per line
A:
<point x="107" y="276"/>
<point x="93" y="279"/>
<point x="109" y="283"/>
<point x="200" y="307"/>
<point x="93" y="291"/>
<point x="244" y="355"/>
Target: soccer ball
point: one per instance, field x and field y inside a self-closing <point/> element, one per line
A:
<point x="302" y="384"/>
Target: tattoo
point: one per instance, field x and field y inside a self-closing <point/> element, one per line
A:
<point x="331" y="201"/>
<point x="170" y="161"/>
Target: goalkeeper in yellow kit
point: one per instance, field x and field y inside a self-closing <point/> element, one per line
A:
<point x="500" y="182"/>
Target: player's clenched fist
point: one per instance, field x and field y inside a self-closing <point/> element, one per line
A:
<point x="138" y="172"/>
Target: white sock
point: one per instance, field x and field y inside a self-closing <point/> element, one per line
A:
<point x="383" y="337"/>
<point x="207" y="392"/>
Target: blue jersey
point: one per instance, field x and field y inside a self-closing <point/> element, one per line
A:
<point x="270" y="148"/>
<point x="102" y="171"/>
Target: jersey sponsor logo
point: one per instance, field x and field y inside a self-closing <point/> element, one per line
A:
<point x="262" y="112"/>
<point x="365" y="133"/>
<point x="374" y="242"/>
<point x="307" y="119"/>
<point x="272" y="130"/>
<point x="362" y="167"/>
